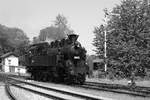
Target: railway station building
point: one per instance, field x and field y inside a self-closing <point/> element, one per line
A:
<point x="10" y="63"/>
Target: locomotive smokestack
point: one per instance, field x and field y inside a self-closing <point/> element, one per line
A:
<point x="73" y="37"/>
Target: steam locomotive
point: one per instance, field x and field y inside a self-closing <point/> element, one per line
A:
<point x="60" y="61"/>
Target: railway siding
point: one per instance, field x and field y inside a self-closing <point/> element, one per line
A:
<point x="116" y="90"/>
<point x="3" y="95"/>
<point x="9" y="92"/>
<point x="22" y="94"/>
<point x="107" y="94"/>
<point x="137" y="89"/>
<point x="47" y="93"/>
<point x="66" y="91"/>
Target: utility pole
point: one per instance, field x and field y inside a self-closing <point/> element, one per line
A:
<point x="105" y="35"/>
<point x="105" y="49"/>
<point x="105" y="39"/>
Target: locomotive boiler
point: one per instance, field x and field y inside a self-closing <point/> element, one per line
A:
<point x="60" y="61"/>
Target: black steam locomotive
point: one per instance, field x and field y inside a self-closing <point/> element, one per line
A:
<point x="60" y="61"/>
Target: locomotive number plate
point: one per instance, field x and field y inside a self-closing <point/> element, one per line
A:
<point x="76" y="57"/>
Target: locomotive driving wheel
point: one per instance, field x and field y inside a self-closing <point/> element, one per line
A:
<point x="81" y="78"/>
<point x="69" y="73"/>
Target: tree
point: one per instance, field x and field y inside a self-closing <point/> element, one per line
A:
<point x="128" y="38"/>
<point x="62" y="24"/>
<point x="98" y="41"/>
<point x="57" y="31"/>
<point x="61" y="21"/>
<point x="12" y="39"/>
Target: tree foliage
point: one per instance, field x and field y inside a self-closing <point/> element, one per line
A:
<point x="128" y="37"/>
<point x="57" y="31"/>
<point x="12" y="39"/>
<point x="98" y="41"/>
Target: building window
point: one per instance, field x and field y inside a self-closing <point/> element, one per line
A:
<point x="0" y="60"/>
<point x="12" y="69"/>
<point x="98" y="66"/>
<point x="9" y="61"/>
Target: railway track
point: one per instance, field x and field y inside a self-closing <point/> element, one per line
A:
<point x="118" y="86"/>
<point x="100" y="87"/>
<point x="9" y="93"/>
<point x="137" y="91"/>
<point x="53" y="92"/>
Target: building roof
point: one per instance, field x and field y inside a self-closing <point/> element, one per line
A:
<point x="8" y="54"/>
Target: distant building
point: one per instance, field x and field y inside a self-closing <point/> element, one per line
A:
<point x="10" y="63"/>
<point x="95" y="63"/>
<point x="98" y="64"/>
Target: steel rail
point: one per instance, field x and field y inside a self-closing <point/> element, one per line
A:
<point x="39" y="93"/>
<point x="119" y="86"/>
<point x="9" y="93"/>
<point x="115" y="89"/>
<point x="72" y="93"/>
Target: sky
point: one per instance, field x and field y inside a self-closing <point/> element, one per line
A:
<point x="33" y="15"/>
